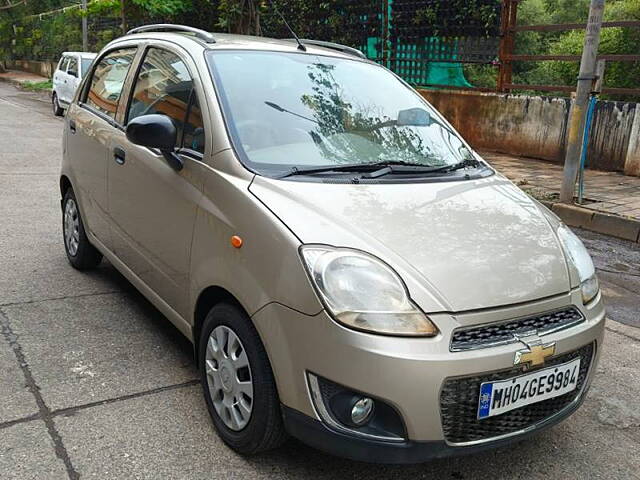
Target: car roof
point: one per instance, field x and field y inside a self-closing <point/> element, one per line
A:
<point x="227" y="41"/>
<point x="81" y="54"/>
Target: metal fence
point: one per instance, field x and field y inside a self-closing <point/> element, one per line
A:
<point x="509" y="30"/>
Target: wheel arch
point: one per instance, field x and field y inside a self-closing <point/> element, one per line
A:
<point x="65" y="184"/>
<point x="208" y="298"/>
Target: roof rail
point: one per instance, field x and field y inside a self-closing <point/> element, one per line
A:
<point x="170" y="27"/>
<point x="333" y="46"/>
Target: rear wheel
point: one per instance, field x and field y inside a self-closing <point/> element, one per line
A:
<point x="57" y="109"/>
<point x="238" y="383"/>
<point x="81" y="254"/>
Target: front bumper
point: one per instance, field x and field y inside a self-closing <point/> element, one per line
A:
<point x="314" y="433"/>
<point x="407" y="373"/>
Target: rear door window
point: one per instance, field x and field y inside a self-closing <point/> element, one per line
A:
<point x="163" y="86"/>
<point x="105" y="87"/>
<point x="62" y="66"/>
<point x="72" y="67"/>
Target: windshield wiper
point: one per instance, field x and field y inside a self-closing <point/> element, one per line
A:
<point x="347" y="167"/>
<point x="466" y="163"/>
<point x="391" y="167"/>
<point x="379" y="169"/>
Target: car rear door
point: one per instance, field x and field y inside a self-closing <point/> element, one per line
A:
<point x="153" y="206"/>
<point x="90" y="123"/>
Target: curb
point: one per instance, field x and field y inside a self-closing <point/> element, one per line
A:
<point x="13" y="81"/>
<point x="18" y="84"/>
<point x="605" y="223"/>
<point x="623" y="329"/>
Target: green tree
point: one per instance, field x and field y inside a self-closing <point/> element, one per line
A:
<point x="164" y="7"/>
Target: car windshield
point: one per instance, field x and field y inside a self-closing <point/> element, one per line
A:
<point x="86" y="63"/>
<point x="288" y="110"/>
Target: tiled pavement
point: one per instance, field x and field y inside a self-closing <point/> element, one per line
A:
<point x="608" y="192"/>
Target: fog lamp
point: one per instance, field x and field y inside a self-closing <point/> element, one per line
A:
<point x="361" y="411"/>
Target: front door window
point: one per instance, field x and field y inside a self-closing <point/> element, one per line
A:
<point x="107" y="81"/>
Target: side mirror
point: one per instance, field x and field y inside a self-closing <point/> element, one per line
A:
<point x="73" y="73"/>
<point x="156" y="131"/>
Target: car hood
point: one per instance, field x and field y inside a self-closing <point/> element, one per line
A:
<point x="459" y="246"/>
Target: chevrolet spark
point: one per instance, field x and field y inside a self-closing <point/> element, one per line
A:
<point x="350" y="272"/>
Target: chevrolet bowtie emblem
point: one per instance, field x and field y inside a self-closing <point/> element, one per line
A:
<point x="534" y="355"/>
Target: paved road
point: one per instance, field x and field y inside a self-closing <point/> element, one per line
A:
<point x="95" y="383"/>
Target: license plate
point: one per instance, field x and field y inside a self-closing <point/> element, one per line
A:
<point x="500" y="397"/>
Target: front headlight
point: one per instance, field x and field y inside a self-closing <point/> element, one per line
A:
<point x="362" y="292"/>
<point x="581" y="260"/>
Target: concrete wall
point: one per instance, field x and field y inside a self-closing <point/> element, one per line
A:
<point x="632" y="162"/>
<point x="610" y="135"/>
<point x="536" y="127"/>
<point x="45" y="69"/>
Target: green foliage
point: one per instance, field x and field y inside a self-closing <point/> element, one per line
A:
<point x="459" y="13"/>
<point x="164" y="7"/>
<point x="103" y="7"/>
<point x="612" y="41"/>
<point x="480" y="75"/>
<point x="46" y="37"/>
<point x="240" y="16"/>
<point x="567" y="11"/>
<point x="38" y="86"/>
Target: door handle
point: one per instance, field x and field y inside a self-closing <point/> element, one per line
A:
<point x="119" y="155"/>
<point x="72" y="126"/>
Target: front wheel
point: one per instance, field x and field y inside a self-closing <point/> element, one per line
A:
<point x="238" y="383"/>
<point x="57" y="109"/>
<point x="81" y="254"/>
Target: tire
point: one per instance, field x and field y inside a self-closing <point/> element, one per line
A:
<point x="57" y="109"/>
<point x="81" y="254"/>
<point x="263" y="429"/>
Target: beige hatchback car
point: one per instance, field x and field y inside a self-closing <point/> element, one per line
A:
<point x="349" y="270"/>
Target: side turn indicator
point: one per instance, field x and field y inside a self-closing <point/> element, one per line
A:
<point x="236" y="241"/>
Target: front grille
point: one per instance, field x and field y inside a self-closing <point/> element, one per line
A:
<point x="459" y="403"/>
<point x="500" y="333"/>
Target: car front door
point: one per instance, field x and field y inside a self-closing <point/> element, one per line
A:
<point x="90" y="124"/>
<point x="152" y="206"/>
<point x="60" y="78"/>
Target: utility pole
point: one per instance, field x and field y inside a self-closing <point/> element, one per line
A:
<point x="577" y="118"/>
<point x="85" y="32"/>
<point x="123" y="17"/>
